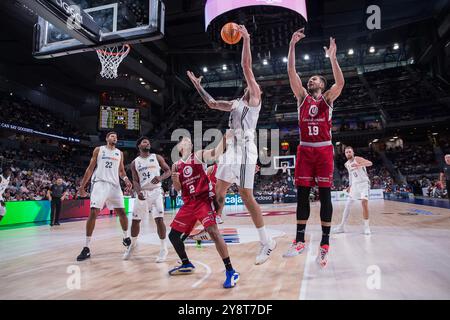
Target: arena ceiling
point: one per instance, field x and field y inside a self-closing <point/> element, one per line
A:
<point x="186" y="43"/>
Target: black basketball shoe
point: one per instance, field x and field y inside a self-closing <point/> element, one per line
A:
<point x="126" y="242"/>
<point x="85" y="254"/>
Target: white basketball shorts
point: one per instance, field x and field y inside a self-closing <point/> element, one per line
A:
<point x="360" y="191"/>
<point x="106" y="193"/>
<point x="154" y="202"/>
<point x="237" y="165"/>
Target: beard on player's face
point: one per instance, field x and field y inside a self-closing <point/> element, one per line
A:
<point x="145" y="147"/>
<point x="314" y="85"/>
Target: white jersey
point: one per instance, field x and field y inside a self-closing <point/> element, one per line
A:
<point x="3" y="184"/>
<point x="356" y="175"/>
<point x="243" y="120"/>
<point x="107" y="169"/>
<point x="147" y="169"/>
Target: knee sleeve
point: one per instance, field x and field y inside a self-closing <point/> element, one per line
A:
<point x="303" y="208"/>
<point x="175" y="237"/>
<point x="326" y="207"/>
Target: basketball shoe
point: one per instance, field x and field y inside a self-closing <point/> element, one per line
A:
<point x="338" y="229"/>
<point x="322" y="257"/>
<point x="85" y="254"/>
<point x="295" y="249"/>
<point x="128" y="251"/>
<point x="187" y="268"/>
<point x="265" y="251"/>
<point x="162" y="255"/>
<point x="232" y="277"/>
<point x="202" y="236"/>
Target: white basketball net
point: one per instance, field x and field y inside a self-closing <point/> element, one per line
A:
<point x="111" y="58"/>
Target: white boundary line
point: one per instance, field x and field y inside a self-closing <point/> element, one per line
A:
<point x="206" y="276"/>
<point x="306" y="273"/>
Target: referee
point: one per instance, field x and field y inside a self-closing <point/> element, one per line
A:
<point x="445" y="174"/>
<point x="55" y="194"/>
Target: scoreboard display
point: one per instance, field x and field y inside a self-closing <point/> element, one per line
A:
<point x="118" y="118"/>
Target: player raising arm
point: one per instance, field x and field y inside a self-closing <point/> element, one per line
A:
<point x="315" y="150"/>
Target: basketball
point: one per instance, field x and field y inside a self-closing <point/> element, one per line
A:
<point x="230" y="33"/>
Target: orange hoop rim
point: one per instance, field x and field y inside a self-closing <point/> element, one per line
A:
<point x="115" y="53"/>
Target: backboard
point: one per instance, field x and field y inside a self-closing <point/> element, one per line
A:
<point x="72" y="26"/>
<point x="287" y="162"/>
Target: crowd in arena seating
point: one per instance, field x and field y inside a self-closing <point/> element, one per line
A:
<point x="414" y="159"/>
<point x="20" y="111"/>
<point x="33" y="172"/>
<point x="275" y="186"/>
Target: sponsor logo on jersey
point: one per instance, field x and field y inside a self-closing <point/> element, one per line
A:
<point x="109" y="158"/>
<point x="313" y="110"/>
<point x="187" y="171"/>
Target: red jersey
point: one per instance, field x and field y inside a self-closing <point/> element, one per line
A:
<point x="314" y="120"/>
<point x="212" y="175"/>
<point x="193" y="178"/>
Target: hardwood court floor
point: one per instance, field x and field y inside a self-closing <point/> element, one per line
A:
<point x="406" y="257"/>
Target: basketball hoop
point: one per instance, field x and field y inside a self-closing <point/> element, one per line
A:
<point x="111" y="58"/>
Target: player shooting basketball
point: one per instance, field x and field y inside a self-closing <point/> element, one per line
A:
<point x="238" y="163"/>
<point x="315" y="150"/>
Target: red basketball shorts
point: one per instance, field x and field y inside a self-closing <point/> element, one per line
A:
<point x="314" y="165"/>
<point x="192" y="211"/>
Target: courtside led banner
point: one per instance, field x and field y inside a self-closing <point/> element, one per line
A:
<point x="18" y="212"/>
<point x="215" y="8"/>
<point x="19" y="128"/>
